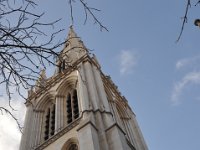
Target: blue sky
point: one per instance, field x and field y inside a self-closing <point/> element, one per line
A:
<point x="160" y="78"/>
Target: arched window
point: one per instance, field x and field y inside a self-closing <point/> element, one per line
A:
<point x="72" y="106"/>
<point x="49" y="127"/>
<point x="71" y="144"/>
<point x="73" y="147"/>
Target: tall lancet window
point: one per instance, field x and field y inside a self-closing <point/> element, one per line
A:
<point x="49" y="127"/>
<point x="72" y="106"/>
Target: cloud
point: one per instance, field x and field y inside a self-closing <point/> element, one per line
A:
<point x="9" y="132"/>
<point x="187" y="80"/>
<point x="188" y="62"/>
<point x="181" y="63"/>
<point x="128" y="61"/>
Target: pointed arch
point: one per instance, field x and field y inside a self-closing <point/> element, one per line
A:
<point x="71" y="144"/>
<point x="44" y="118"/>
<point x="45" y="100"/>
<point x="68" y="83"/>
<point x="69" y="91"/>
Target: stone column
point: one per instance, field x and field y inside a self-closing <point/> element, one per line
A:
<point x="62" y="112"/>
<point x="132" y="133"/>
<point x="24" y="145"/>
<point x="102" y="97"/>
<point x="100" y="89"/>
<point x="101" y="131"/>
<point x="116" y="114"/>
<point x="36" y="127"/>
<point x="32" y="135"/>
<point x="128" y="134"/>
<point x="140" y="143"/>
<point x="83" y="98"/>
<point x="33" y="129"/>
<point x="92" y="91"/>
<point x="59" y="120"/>
<point x="116" y="138"/>
<point x="88" y="136"/>
<point x="39" y="127"/>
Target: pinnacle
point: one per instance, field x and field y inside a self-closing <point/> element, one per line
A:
<point x="42" y="79"/>
<point x="71" y="33"/>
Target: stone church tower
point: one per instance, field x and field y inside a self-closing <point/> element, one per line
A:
<point x="79" y="108"/>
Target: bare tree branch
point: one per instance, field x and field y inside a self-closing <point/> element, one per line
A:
<point x="22" y="52"/>
<point x="185" y="17"/>
<point x="188" y="5"/>
<point x="197" y="3"/>
<point x="88" y="11"/>
<point x="2" y="109"/>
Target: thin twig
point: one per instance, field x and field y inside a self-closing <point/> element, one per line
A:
<point x="188" y="5"/>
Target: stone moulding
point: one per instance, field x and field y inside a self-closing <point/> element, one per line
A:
<point x="58" y="135"/>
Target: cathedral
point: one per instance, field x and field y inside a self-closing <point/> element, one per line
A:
<point x="79" y="107"/>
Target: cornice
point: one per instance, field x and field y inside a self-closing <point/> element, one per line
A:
<point x="58" y="135"/>
<point x="109" y="83"/>
<point x="115" y="125"/>
<point x="85" y="124"/>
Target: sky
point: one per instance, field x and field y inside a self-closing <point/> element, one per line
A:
<point x="159" y="77"/>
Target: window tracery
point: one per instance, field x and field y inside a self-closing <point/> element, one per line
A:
<point x="72" y="106"/>
<point x="49" y="127"/>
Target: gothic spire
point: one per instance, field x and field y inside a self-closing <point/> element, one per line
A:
<point x="73" y="50"/>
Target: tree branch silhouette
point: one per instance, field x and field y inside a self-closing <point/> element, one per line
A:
<point x="185" y="17"/>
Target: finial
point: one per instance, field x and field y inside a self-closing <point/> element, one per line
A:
<point x="42" y="78"/>
<point x="43" y="74"/>
<point x="71" y="33"/>
<point x="71" y="26"/>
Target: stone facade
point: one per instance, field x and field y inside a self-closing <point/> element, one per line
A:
<point x="79" y="108"/>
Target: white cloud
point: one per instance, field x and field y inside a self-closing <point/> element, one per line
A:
<point x="128" y="61"/>
<point x="188" y="62"/>
<point x="181" y="63"/>
<point x="9" y="132"/>
<point x="187" y="80"/>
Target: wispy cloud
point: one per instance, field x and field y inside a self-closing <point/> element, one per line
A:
<point x="188" y="62"/>
<point x="187" y="80"/>
<point x="9" y="132"/>
<point x="128" y="60"/>
<point x="192" y="76"/>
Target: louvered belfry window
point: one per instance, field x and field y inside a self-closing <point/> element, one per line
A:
<point x="69" y="109"/>
<point x="72" y="106"/>
<point x="47" y="118"/>
<point x="49" y="127"/>
<point x="53" y="120"/>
